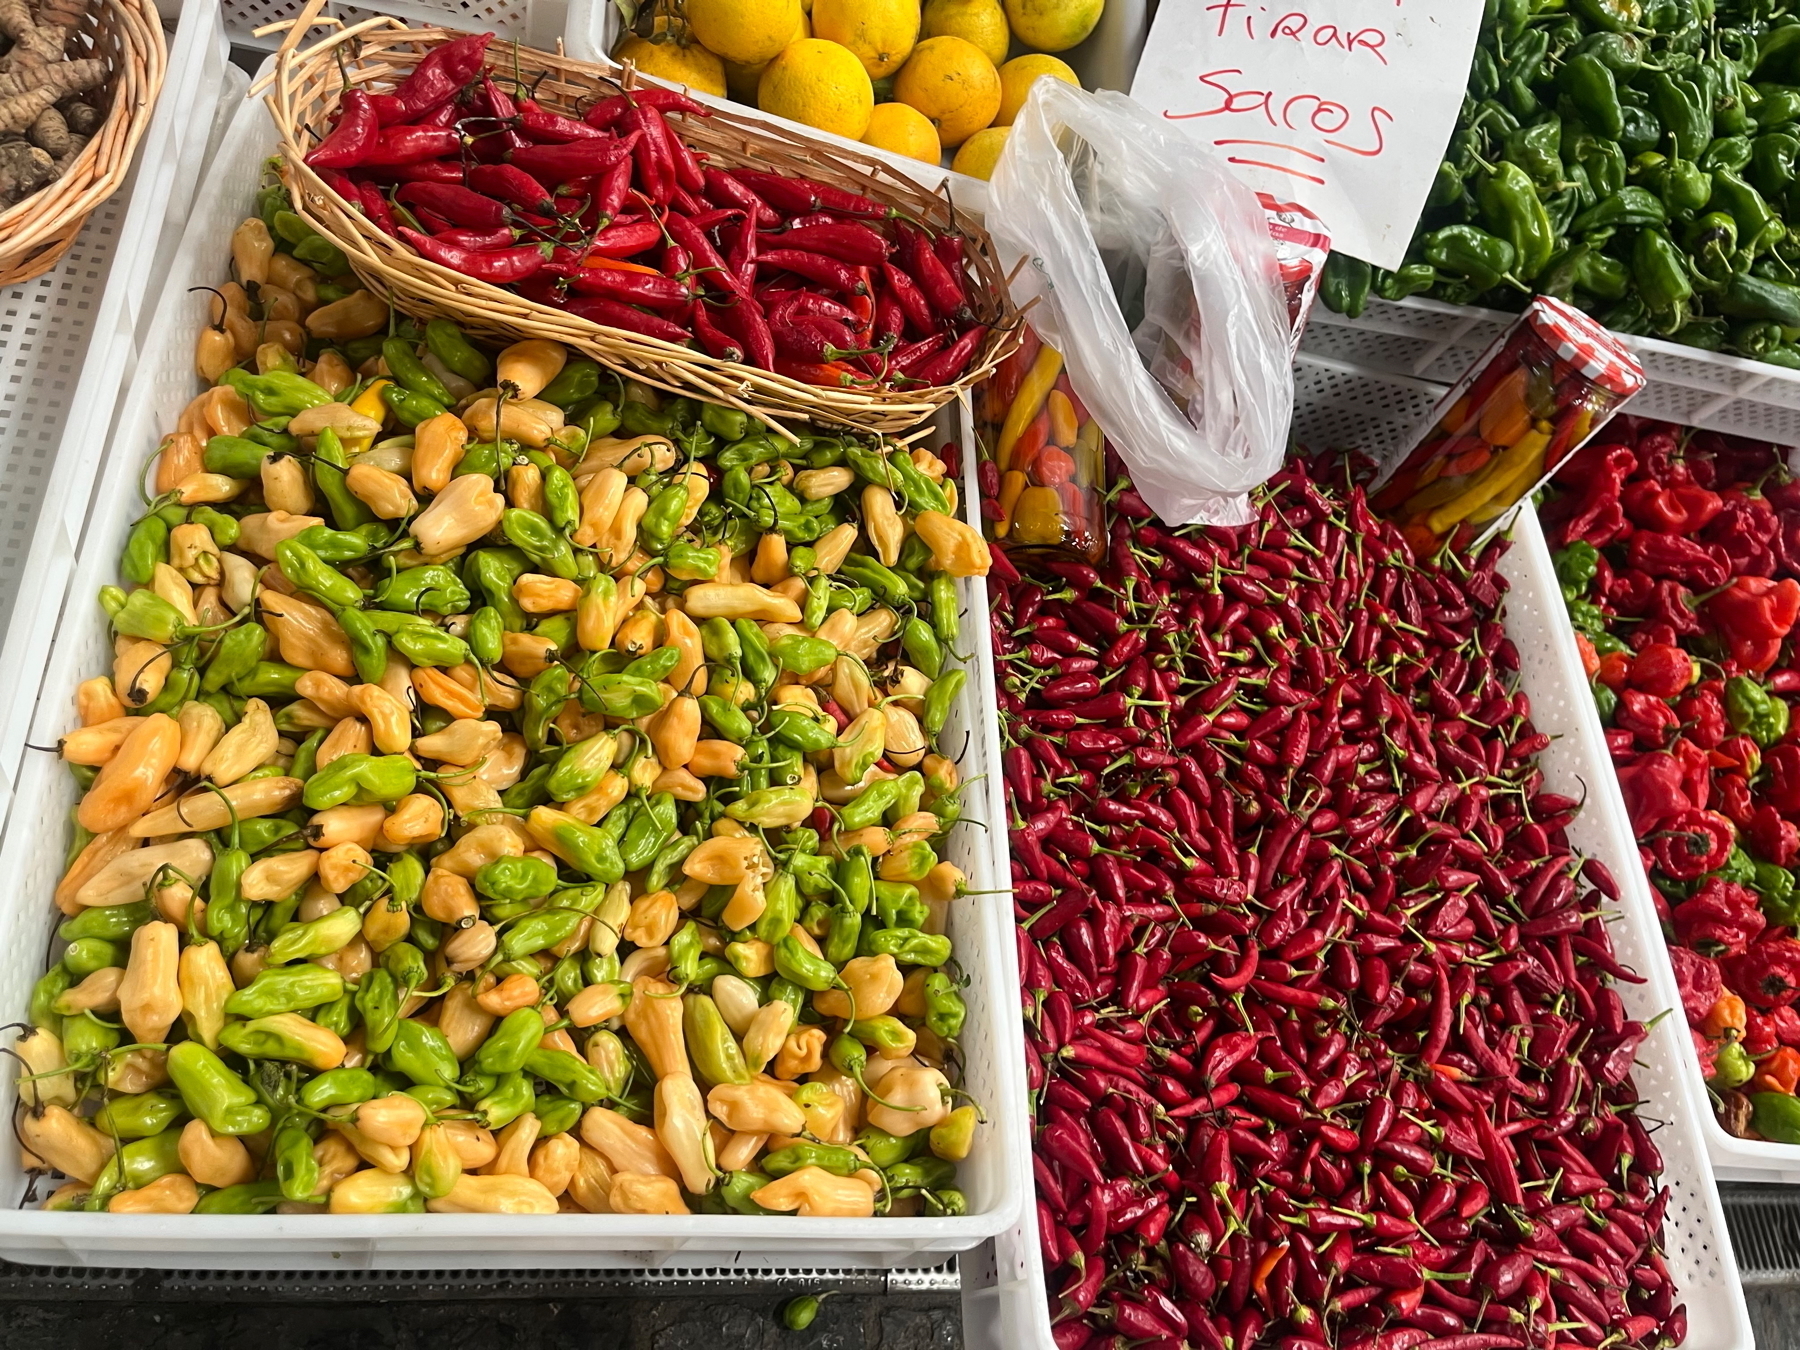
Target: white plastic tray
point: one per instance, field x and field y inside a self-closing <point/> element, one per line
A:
<point x="1004" y="1304"/>
<point x="1107" y="60"/>
<point x="537" y="23"/>
<point x="31" y="853"/>
<point x="68" y="343"/>
<point x="1435" y="341"/>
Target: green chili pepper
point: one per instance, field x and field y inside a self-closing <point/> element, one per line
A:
<point x="869" y="805"/>
<point x="279" y="990"/>
<point x="139" y="1115"/>
<point x="147" y="545"/>
<point x="317" y="937"/>
<point x="405" y="366"/>
<point x="573" y="1075"/>
<point x="797" y="964"/>
<point x="268" y="679"/>
<point x="945" y="1010"/>
<point x="1754" y="711"/>
<point x="538" y="539"/>
<point x="539" y="931"/>
<point x="726" y="718"/>
<point x="328" y="468"/>
<point x="939" y="700"/>
<point x="737" y="1188"/>
<point x="920" y="1174"/>
<point x="423" y="1054"/>
<point x="510" y="1042"/>
<point x="250" y="1197"/>
<point x="1511" y="207"/>
<point x="1753" y="297"/>
<point x="110" y="923"/>
<point x="910" y="947"/>
<point x="234" y="456"/>
<point x="709" y="1040"/>
<point x="781" y="906"/>
<point x="85" y="1037"/>
<point x="1660" y="272"/>
<point x="411" y="408"/>
<point x="833" y="1158"/>
<point x="446" y="342"/>
<point x="1344" y="284"/>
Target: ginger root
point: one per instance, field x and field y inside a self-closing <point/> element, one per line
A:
<point x="24" y="169"/>
<point x="49" y="132"/>
<point x="84" y="119"/>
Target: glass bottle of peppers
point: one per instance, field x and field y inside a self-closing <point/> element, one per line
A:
<point x="1043" y="457"/>
<point x="1532" y="399"/>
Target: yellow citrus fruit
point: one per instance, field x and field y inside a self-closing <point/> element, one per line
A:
<point x="742" y="79"/>
<point x="981" y="152"/>
<point x="981" y="22"/>
<point x="691" y="65"/>
<point x="821" y="84"/>
<point x="952" y="83"/>
<point x="1019" y="74"/>
<point x="1053" y="25"/>
<point x="880" y="32"/>
<point x="905" y="131"/>
<point x="743" y="32"/>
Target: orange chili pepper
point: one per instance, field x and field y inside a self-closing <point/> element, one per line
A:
<point x="1468" y="462"/>
<point x="1780" y="1072"/>
<point x="617" y="265"/>
<point x="1590" y="659"/>
<point x="1456" y="417"/>
<point x="1031" y="440"/>
<point x="1614" y="669"/>
<point x="1054" y="466"/>
<point x="1265" y="1267"/>
<point x="1727" y="1014"/>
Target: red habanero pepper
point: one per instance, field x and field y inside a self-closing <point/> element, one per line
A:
<point x="1696" y="771"/>
<point x="411" y="145"/>
<point x="1768" y="974"/>
<point x="949" y="365"/>
<point x="437" y="79"/>
<point x="512" y="185"/>
<point x="1754" y="615"/>
<point x="1653" y="792"/>
<point x="352" y="138"/>
<point x="1720" y="919"/>
<point x="1693" y="844"/>
<point x="1685" y="560"/>
<point x="1663" y="670"/>
<point x="1648" y="718"/>
<point x="461" y="205"/>
<point x="1737" y="754"/>
<point x="1598" y="515"/>
<point x="1702" y="715"/>
<point x="500" y="266"/>
<point x="1681" y="508"/>
<point x="625" y="238"/>
<point x="1782" y="765"/>
<point x="613" y="314"/>
<point x="1773" y="837"/>
<point x="1697" y="981"/>
<point x="632" y="287"/>
<point x="553" y="164"/>
<point x="714" y="339"/>
<point x="1747" y="529"/>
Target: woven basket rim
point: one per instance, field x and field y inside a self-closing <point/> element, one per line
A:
<point x="39" y="230"/>
<point x="307" y="81"/>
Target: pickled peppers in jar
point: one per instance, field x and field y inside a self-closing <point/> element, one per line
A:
<point x="1532" y="399"/>
<point x="1043" y="457"/>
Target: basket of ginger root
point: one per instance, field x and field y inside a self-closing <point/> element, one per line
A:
<point x="78" y="81"/>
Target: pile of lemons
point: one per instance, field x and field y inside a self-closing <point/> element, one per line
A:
<point x="912" y="80"/>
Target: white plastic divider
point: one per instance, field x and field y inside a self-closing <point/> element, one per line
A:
<point x="1431" y="340"/>
<point x="1004" y="1301"/>
<point x="31" y="855"/>
<point x="536" y="23"/>
<point x="1106" y="60"/>
<point x="68" y="344"/>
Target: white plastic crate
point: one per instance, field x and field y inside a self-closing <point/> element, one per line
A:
<point x="1004" y="1302"/>
<point x="1431" y="340"/>
<point x="31" y="852"/>
<point x="1107" y="60"/>
<point x="536" y="23"/>
<point x="68" y="343"/>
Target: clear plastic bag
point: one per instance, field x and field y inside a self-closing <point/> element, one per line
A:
<point x="1155" y="276"/>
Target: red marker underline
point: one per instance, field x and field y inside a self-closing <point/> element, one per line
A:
<point x="1276" y="145"/>
<point x="1278" y="168"/>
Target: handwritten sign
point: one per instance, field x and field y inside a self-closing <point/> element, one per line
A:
<point x="1344" y="106"/>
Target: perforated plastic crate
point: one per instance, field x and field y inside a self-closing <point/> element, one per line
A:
<point x="31" y="856"/>
<point x="68" y="343"/>
<point x="1430" y="340"/>
<point x="1004" y="1303"/>
<point x="536" y="23"/>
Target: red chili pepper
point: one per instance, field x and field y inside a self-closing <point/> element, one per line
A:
<point x="908" y="358"/>
<point x="459" y="204"/>
<point x="350" y="141"/>
<point x="724" y="189"/>
<point x="613" y="314"/>
<point x="511" y="184"/>
<point x="817" y="267"/>
<point x="542" y="125"/>
<point x="846" y="241"/>
<point x="626" y="238"/>
<point x="437" y="79"/>
<point x="910" y="298"/>
<point x="798" y="195"/>
<point x="655" y="166"/>
<point x="608" y="112"/>
<point x="713" y="269"/>
<point x="500" y="266"/>
<point x="948" y="366"/>
<point x="688" y="170"/>
<point x="554" y="164"/>
<point x="943" y="289"/>
<point x="823" y="374"/>
<point x="482" y="241"/>
<point x="411" y="145"/>
<point x="630" y="287"/>
<point x="743" y="318"/>
<point x="714" y="339"/>
<point x="374" y="206"/>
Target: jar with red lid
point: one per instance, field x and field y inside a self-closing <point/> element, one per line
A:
<point x="1532" y="399"/>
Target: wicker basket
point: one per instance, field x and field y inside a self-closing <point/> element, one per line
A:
<point x="306" y="87"/>
<point x="128" y="36"/>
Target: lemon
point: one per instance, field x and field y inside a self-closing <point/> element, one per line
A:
<point x="742" y="79"/>
<point x="691" y="65"/>
<point x="981" y="152"/>
<point x="1053" y="25"/>
<point x="880" y="32"/>
<point x="1019" y="74"/>
<point x="951" y="82"/>
<point x="821" y="84"/>
<point x="903" y="130"/>
<point x="743" y="32"/>
<point x="981" y="22"/>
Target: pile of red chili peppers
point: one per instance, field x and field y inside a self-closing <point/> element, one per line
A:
<point x="1321" y="1035"/>
<point x="801" y="278"/>
<point x="1679" y="558"/>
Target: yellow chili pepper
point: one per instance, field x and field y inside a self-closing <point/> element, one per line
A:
<point x="1034" y="389"/>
